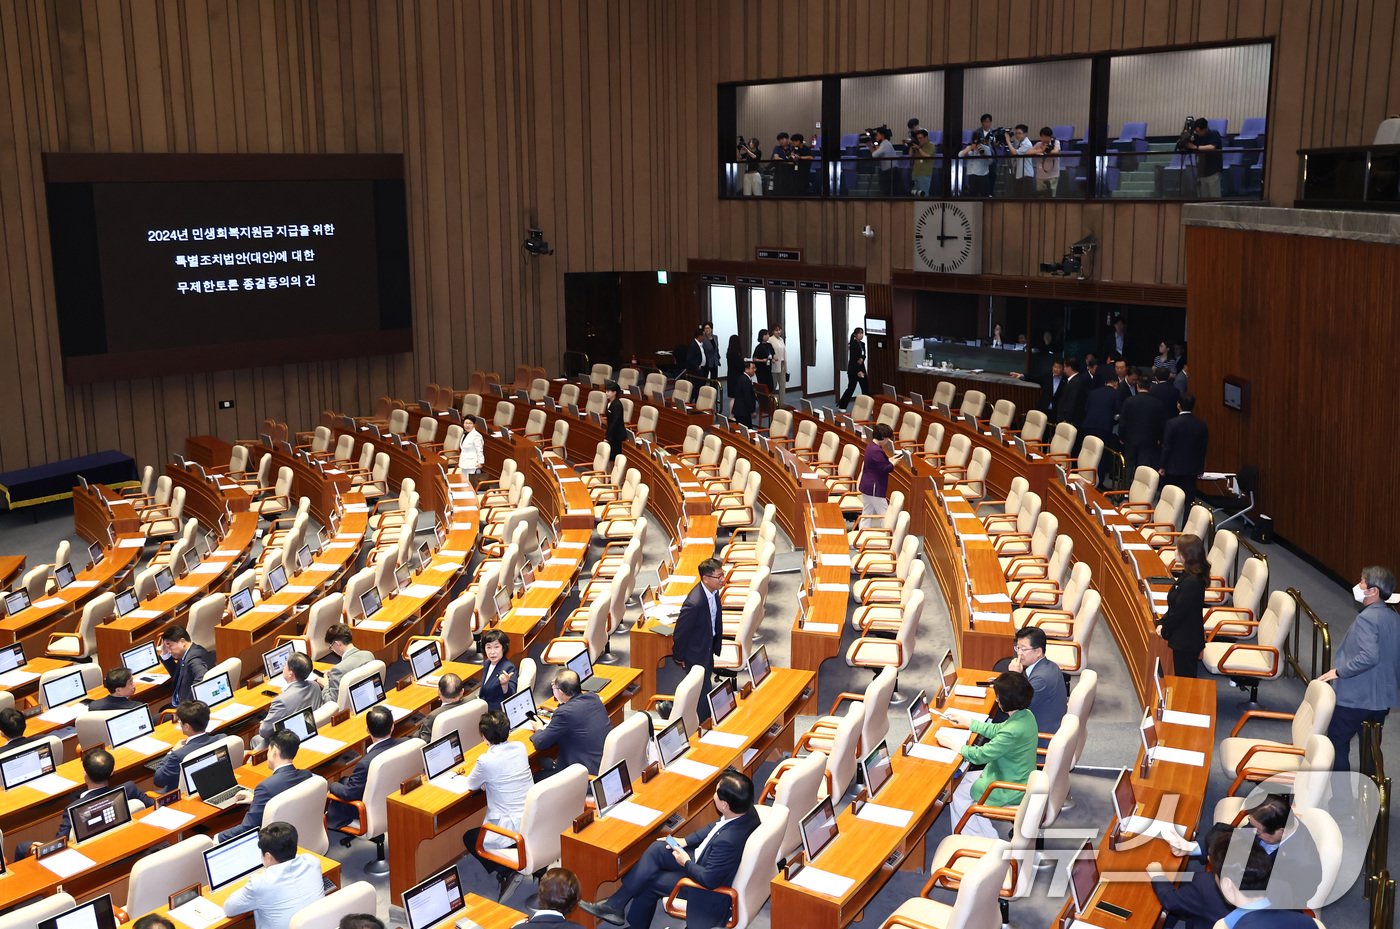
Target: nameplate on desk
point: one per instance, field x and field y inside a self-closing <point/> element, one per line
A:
<point x="132" y="543"/>
<point x="821" y="627"/>
<point x="722" y="739"/>
<point x="1179" y="718"/>
<point x="991" y="598"/>
<point x="884" y="815"/>
<point x="1178" y="756"/>
<point x="834" y="561"/>
<point x="340" y="546"/>
<point x="531" y="611"/>
<point x="934" y="753"/>
<point x="451" y="553"/>
<point x="67" y="862"/>
<point x="571" y="545"/>
<point x="1120" y="528"/>
<point x="356" y="508"/>
<point x="166" y="818"/>
<point x="822" y="882"/>
<point x="1136" y="547"/>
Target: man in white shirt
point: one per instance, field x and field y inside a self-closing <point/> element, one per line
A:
<point x="883" y="149"/>
<point x="503" y="771"/>
<point x="287" y="883"/>
<point x="779" y="363"/>
<point x="1023" y="166"/>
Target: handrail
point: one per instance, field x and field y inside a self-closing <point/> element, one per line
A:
<point x="1380" y="886"/>
<point x="1321" y="656"/>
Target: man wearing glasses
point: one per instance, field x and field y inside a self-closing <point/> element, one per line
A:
<point x="699" y="629"/>
<point x="1047" y="680"/>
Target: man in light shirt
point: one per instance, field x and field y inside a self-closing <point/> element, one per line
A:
<point x="287" y="883"/>
<point x="779" y="362"/>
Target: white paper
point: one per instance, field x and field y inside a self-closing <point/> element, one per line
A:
<point x="562" y="562"/>
<point x="453" y="782"/>
<point x="132" y="543"/>
<point x="323" y="744"/>
<point x="974" y="537"/>
<point x="450" y="553"/>
<point x="1081" y="924"/>
<point x="952" y="737"/>
<point x="225" y="553"/>
<point x="1136" y="547"/>
<point x="398" y="712"/>
<point x="373" y="625"/>
<point x="1159" y="596"/>
<point x="982" y="616"/>
<point x="688" y="541"/>
<point x="571" y="545"/>
<point x="48" y="602"/>
<point x="82" y="585"/>
<point x="821" y="627"/>
<point x="421" y="591"/>
<point x="145" y="614"/>
<point x="321" y="567"/>
<point x="67" y="862"/>
<point x="671" y="599"/>
<point x="834" y="561"/>
<point x="62" y="715"/>
<point x="682" y="579"/>
<point x="147" y="745"/>
<point x="530" y="611"/>
<point x="934" y="753"/>
<point x="969" y="690"/>
<point x="724" y="739"/>
<point x="1180" y="718"/>
<point x="208" y="567"/>
<point x="821" y="531"/>
<point x="298" y="590"/>
<point x="267" y="609"/>
<point x="167" y="818"/>
<point x="822" y="882"/>
<point x="885" y="815"/>
<point x="17" y="678"/>
<point x="199" y="913"/>
<point x="349" y="536"/>
<point x="232" y="710"/>
<point x="833" y="588"/>
<point x="991" y="598"/>
<point x="547" y="585"/>
<point x="1142" y="825"/>
<point x="695" y="770"/>
<point x="634" y="813"/>
<point x="1178" y="756"/>
<point x="51" y="784"/>
<point x="357" y="508"/>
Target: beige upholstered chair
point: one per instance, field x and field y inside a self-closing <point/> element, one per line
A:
<point x="304" y="807"/>
<point x="550" y="808"/>
<point x="159" y="873"/>
<point x="1238" y="753"/>
<point x="797" y="787"/>
<point x="387" y="770"/>
<point x="82" y="643"/>
<point x="326" y="913"/>
<point x="757" y="868"/>
<point x="685" y="703"/>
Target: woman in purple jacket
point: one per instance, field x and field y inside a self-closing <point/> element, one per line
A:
<point x="875" y="476"/>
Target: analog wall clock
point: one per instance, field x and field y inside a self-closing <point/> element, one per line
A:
<point x="948" y="238"/>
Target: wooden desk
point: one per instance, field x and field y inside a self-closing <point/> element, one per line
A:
<point x="870" y="853"/>
<point x="426" y="825"/>
<point x="818" y="623"/>
<point x="154" y="694"/>
<point x="207" y="499"/>
<point x="330" y="869"/>
<point x="35" y="668"/>
<point x="111" y="854"/>
<point x="403" y="462"/>
<point x="603" y="851"/>
<point x="92" y="517"/>
<point x="11" y="566"/>
<point x="649" y="648"/>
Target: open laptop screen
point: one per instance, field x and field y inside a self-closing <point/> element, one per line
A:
<point x="25" y="766"/>
<point x="366" y="694"/>
<point x="434" y="900"/>
<point x="424" y="661"/>
<point x="443" y="755"/>
<point x="818" y="829"/>
<point x="303" y="724"/>
<point x="241" y="602"/>
<point x="127" y="601"/>
<point x="919" y="716"/>
<point x="11" y="657"/>
<point x="96" y="815"/>
<point x="64" y="575"/>
<point x="759" y="666"/>
<point x="1083" y="876"/>
<point x="95" y="914"/>
<point x="672" y="742"/>
<point x="141" y="658"/>
<point x="129" y="726"/>
<point x="581" y="665"/>
<point x="64" y="689"/>
<point x="228" y="861"/>
<point x="276" y="659"/>
<point x="16" y="602"/>
<point x="214" y="690"/>
<point x="612" y="787"/>
<point x="876" y="766"/>
<point x="519" y="707"/>
<point x="722" y="700"/>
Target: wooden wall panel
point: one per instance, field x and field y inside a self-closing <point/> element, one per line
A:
<point x="1301" y="319"/>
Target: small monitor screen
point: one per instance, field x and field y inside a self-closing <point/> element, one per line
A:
<point x="443" y="755"/>
<point x="1149" y="733"/>
<point x="759" y="666"/>
<point x="163" y="580"/>
<point x="1083" y="876"/>
<point x="919" y="716"/>
<point x="11" y="657"/>
<point x="401" y="575"/>
<point x="877" y="768"/>
<point x="369" y="602"/>
<point x="1157" y="675"/>
<point x="366" y="694"/>
<point x="127" y="726"/>
<point x="277" y="579"/>
<point x="23" y="767"/>
<point x="1124" y="800"/>
<point x="502" y="600"/>
<point x="722" y="700"/>
<point x="191" y="559"/>
<point x="64" y="689"/>
<point x="127" y="601"/>
<point x="16" y="602"/>
<point x="209" y="773"/>
<point x="948" y="674"/>
<point x="95" y="914"/>
<point x="425" y="555"/>
<point x="424" y="661"/>
<point x="241" y="602"/>
<point x="672" y="742"/>
<point x="818" y="829"/>
<point x="519" y="707"/>
<point x="434" y="900"/>
<point x="141" y="658"/>
<point x="64" y="575"/>
<point x="612" y="787"/>
<point x="214" y="690"/>
<point x="276" y="659"/>
<point x="303" y="724"/>
<point x="95" y="553"/>
<point x="228" y="861"/>
<point x="581" y="665"/>
<point x="98" y="814"/>
<point x="303" y="558"/>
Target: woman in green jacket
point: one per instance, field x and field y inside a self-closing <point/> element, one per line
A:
<point x="1008" y="751"/>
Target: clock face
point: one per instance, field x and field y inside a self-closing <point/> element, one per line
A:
<point x="948" y="238"/>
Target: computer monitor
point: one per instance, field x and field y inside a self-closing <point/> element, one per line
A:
<point x="164" y="580"/>
<point x="947" y="677"/>
<point x="1148" y="732"/>
<point x="425" y="555"/>
<point x="366" y="694"/>
<point x="402" y="574"/>
<point x="230" y="860"/>
<point x="11" y="657"/>
<point x="277" y="578"/>
<point x="519" y="708"/>
<point x="303" y="724"/>
<point x="95" y="914"/>
<point x="722" y="700"/>
<point x="127" y="601"/>
<point x="503" y="599"/>
<point x="64" y="575"/>
<point x="759" y="665"/>
<point x="16" y="601"/>
<point x="818" y="829"/>
<point x="241" y="602"/>
<point x="64" y="689"/>
<point x="276" y="659"/>
<point x="190" y="560"/>
<point x="672" y="743"/>
<point x="1083" y="876"/>
<point x="213" y="690"/>
<point x="96" y="815"/>
<point x="141" y="658"/>
<point x="129" y="726"/>
<point x="209" y="773"/>
<point x="96" y="553"/>
<point x="611" y="787"/>
<point x="1158" y="684"/>
<point x="425" y="661"/>
<point x="370" y="602"/>
<point x="920" y="718"/>
<point x="434" y="900"/>
<point x="442" y="755"/>
<point x="876" y="768"/>
<point x="303" y="558"/>
<point x="25" y="766"/>
<point x="1124" y="798"/>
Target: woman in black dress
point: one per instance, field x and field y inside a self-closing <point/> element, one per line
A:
<point x="855" y="368"/>
<point x="763" y="358"/>
<point x="1183" y="626"/>
<point x="733" y="368"/>
<point x="617" y="425"/>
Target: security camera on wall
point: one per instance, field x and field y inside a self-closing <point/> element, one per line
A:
<point x="868" y="232"/>
<point x="535" y="243"/>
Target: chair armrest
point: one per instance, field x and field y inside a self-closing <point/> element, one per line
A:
<point x="361" y="813"/>
<point x="1248" y="647"/>
<point x="656" y="700"/>
<point x="490" y="855"/>
<point x="842" y="698"/>
<point x="1247" y="623"/>
<point x="613" y="508"/>
<point x="998" y="785"/>
<point x="1258" y="714"/>
<point x="679" y="912"/>
<point x="863" y="640"/>
<point x="1267" y="750"/>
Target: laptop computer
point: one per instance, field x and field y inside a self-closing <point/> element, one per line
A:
<point x="303" y="558"/>
<point x="64" y="575"/>
<point x="672" y="743"/>
<point x="366" y="694"/>
<point x="582" y="665"/>
<point x="64" y="689"/>
<point x="12" y="657"/>
<point x="611" y="787"/>
<point x="759" y="666"/>
<point x="519" y="708"/>
<point x="425" y="661"/>
<point x="95" y="914"/>
<point x="723" y="700"/>
<point x="99" y="815"/>
<point x="213" y="690"/>
<point x="818" y="829"/>
<point x="128" y="726"/>
<point x="920" y="717"/>
<point x="275" y="660"/>
<point x="402" y="574"/>
<point x="210" y="775"/>
<point x="26" y="765"/>
<point x="95" y="554"/>
<point x="875" y="768"/>
<point x="241" y="602"/>
<point x="127" y="601"/>
<point x="16" y="601"/>
<point x="437" y="899"/>
<point x="302" y="723"/>
<point x="189" y="560"/>
<point x="947" y="677"/>
<point x="230" y="860"/>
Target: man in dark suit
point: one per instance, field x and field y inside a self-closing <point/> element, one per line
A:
<point x="710" y="344"/>
<point x="121" y="687"/>
<point x="186" y="662"/>
<point x="12" y="726"/>
<point x="299" y="692"/>
<point x="1162" y="388"/>
<point x="1140" y="424"/>
<point x="694" y="358"/>
<point x="1127" y="380"/>
<point x="1050" y="391"/>
<point x="1195" y="903"/>
<point x="1093" y="371"/>
<point x="1101" y="409"/>
<point x="745" y="396"/>
<point x="559" y="892"/>
<point x="1118" y="341"/>
<point x="281" y="749"/>
<point x="379" y="722"/>
<point x="699" y="631"/>
<point x="709" y="857"/>
<point x="1047" y="680"/>
<point x="1184" y="448"/>
<point x="1074" y="395"/>
<point x="452" y="691"/>
<point x="193" y="719"/>
<point x="579" y="727"/>
<point x="98" y="765"/>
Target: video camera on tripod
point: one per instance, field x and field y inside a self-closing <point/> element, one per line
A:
<point x="1188" y="132"/>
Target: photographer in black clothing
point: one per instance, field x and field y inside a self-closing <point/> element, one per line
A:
<point x="1205" y="142"/>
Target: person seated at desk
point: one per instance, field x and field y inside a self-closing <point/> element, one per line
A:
<point x="451" y="692"/>
<point x="12" y="726"/>
<point x="186" y="662"/>
<point x="1050" y="699"/>
<point x="300" y="693"/>
<point x="1242" y="884"/>
<point x="341" y="642"/>
<point x="1008" y="753"/>
<point x="121" y="688"/>
<point x="359" y="920"/>
<point x="287" y="883"/>
<point x="380" y="724"/>
<point x="192" y="717"/>
<point x="718" y="849"/>
<point x="157" y="921"/>
<point x="281" y="749"/>
<point x="579" y="727"/>
<point x="98" y="765"/>
<point x="498" y="679"/>
<point x="559" y="891"/>
<point x="503" y="771"/>
<point x="1195" y="903"/>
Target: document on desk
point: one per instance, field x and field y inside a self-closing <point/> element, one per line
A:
<point x="1136" y="547"/>
<point x="985" y="616"/>
<point x="83" y="585"/>
<point x="231" y="710"/>
<point x="953" y="737"/>
<point x="827" y="531"/>
<point x="974" y="537"/>
<point x="1180" y="718"/>
<point x="225" y="553"/>
<point x="199" y="913"/>
<point x="299" y="590"/>
<point x="451" y="553"/>
<point x="547" y="585"/>
<point x="969" y="690"/>
<point x="821" y="627"/>
<point x="62" y="715"/>
<point x="1152" y="828"/>
<point x="132" y="543"/>
<point x="723" y="739"/>
<point x="183" y="591"/>
<point x="145" y="614"/>
<point x="1178" y="756"/>
<point x="452" y="782"/>
<point x="833" y="588"/>
<point x="634" y="813"/>
<point x="267" y="609"/>
<point x="421" y="591"/>
<point x="531" y="611"/>
<point x="50" y="602"/>
<point x="683" y="579"/>
<point x="323" y="744"/>
<point x="933" y="753"/>
<point x="167" y="818"/>
<point x="373" y="625"/>
<point x="991" y="598"/>
<point x="17" y="678"/>
<point x="822" y="882"/>
<point x="398" y="712"/>
<point x="834" y="561"/>
<point x="51" y="784"/>
<point x="208" y="567"/>
<point x="696" y="770"/>
<point x="148" y="745"/>
<point x="884" y="815"/>
<point x="67" y="863"/>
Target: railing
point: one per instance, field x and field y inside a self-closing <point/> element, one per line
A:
<point x="1380" y="886"/>
<point x="1319" y="648"/>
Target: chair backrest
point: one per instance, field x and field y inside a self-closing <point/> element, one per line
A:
<point x="463" y="719"/>
<point x="535" y="424"/>
<point x="550" y="808"/>
<point x="686" y="706"/>
<point x="1059" y="758"/>
<point x="627" y="742"/>
<point x="806" y="435"/>
<point x="363" y="672"/>
<point x="1062" y="442"/>
<point x="327" y="912"/>
<point x="1198" y="521"/>
<point x="1033" y="429"/>
<point x="323" y="614"/>
<point x="600" y="375"/>
<point x="1144" y="486"/>
<point x="944" y="393"/>
<point x="303" y="806"/>
<point x="204" y="616"/>
<point x="232" y="666"/>
<point x="527" y="669"/>
<point x="878" y="694"/>
<point x="97" y="611"/>
<point x="158" y="874"/>
<point x="92" y="727"/>
<point x="889" y="415"/>
<point x="959" y="450"/>
<point x="683" y="391"/>
<point x="1091" y="453"/>
<point x="830" y="447"/>
<point x="780" y="427"/>
<point x="1310" y="782"/>
<point x="597" y="402"/>
<point x="1080" y="705"/>
<point x="27" y="917"/>
<point x="759" y="864"/>
<point x="627" y="378"/>
<point x="1275" y="626"/>
<point x="92" y="676"/>
<point x="504" y="415"/>
<point x="539" y="389"/>
<point x="1327" y="836"/>
<point x="862" y="408"/>
<point x="1003" y="414"/>
<point x="911" y="424"/>
<point x="1171" y="506"/>
<point x="798" y="789"/>
<point x="427" y="430"/>
<point x="974" y="404"/>
<point x="976" y="903"/>
<point x="845" y="750"/>
<point x="1047" y="529"/>
<point x="933" y="439"/>
<point x="908" y="633"/>
<point x="387" y="771"/>
<point x="655" y="385"/>
<point x="1314" y="713"/>
<point x="1222" y="554"/>
<point x="705" y="399"/>
<point x="398" y="421"/>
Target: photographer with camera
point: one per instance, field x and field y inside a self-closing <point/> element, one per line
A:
<point x="1022" y="168"/>
<point x="782" y="167"/>
<point x="882" y="149"/>
<point x="977" y="173"/>
<point x="802" y="165"/>
<point x="1206" y="143"/>
<point x="750" y="155"/>
<point x="921" y="171"/>
<point x="1047" y="163"/>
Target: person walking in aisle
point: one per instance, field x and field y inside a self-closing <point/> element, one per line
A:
<point x="855" y="369"/>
